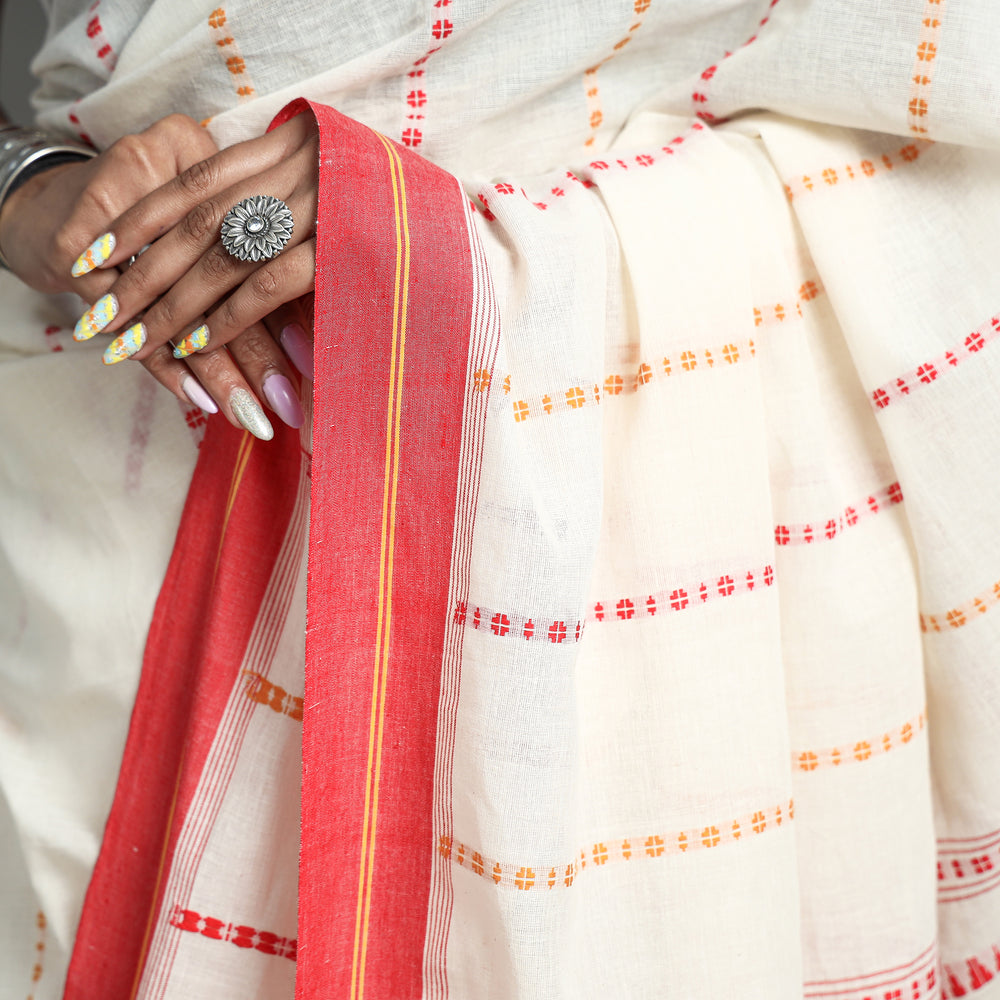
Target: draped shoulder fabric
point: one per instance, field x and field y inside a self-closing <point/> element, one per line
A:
<point x="646" y="523"/>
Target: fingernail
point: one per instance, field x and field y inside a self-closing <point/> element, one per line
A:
<point x="247" y="411"/>
<point x="297" y="344"/>
<point x="282" y="398"/>
<point x="129" y="343"/>
<point x="96" y="318"/>
<point x="95" y="255"/>
<point x="194" y="341"/>
<point x="194" y="391"/>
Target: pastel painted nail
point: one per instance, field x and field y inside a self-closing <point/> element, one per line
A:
<point x="195" y="391"/>
<point x="96" y="318"/>
<point x="247" y="411"/>
<point x="298" y="345"/>
<point x="194" y="341"/>
<point x="125" y="345"/>
<point x="95" y="255"/>
<point x="282" y="398"/>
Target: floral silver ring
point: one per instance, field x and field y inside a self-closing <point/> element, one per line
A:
<point x="257" y="228"/>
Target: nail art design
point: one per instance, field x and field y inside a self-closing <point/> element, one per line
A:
<point x="194" y="341"/>
<point x="282" y="398"/>
<point x="96" y="318"/>
<point x="247" y="411"/>
<point x="195" y="391"/>
<point x="124" y="346"/>
<point x="95" y="255"/>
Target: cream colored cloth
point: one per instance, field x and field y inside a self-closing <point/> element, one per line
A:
<point x="778" y="790"/>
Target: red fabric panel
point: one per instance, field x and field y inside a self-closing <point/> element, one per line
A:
<point x="393" y="315"/>
<point x="235" y="517"/>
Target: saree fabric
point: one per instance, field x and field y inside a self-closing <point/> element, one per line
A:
<point x="647" y="521"/>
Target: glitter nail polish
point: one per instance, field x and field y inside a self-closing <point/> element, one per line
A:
<point x="247" y="411"/>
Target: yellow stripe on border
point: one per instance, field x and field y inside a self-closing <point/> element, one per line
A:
<point x="386" y="555"/>
<point x="159" y="877"/>
<point x="242" y="457"/>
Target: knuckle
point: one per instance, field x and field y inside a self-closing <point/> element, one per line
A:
<point x="179" y="122"/>
<point x="202" y="222"/>
<point x="218" y="266"/>
<point x="166" y="313"/>
<point x="133" y="152"/>
<point x="137" y="283"/>
<point x="266" y="283"/>
<point x="254" y="343"/>
<point x="66" y="244"/>
<point x="99" y="199"/>
<point x="200" y="178"/>
<point x="158" y="363"/>
<point x="213" y="365"/>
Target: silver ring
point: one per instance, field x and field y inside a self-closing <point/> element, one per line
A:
<point x="257" y="228"/>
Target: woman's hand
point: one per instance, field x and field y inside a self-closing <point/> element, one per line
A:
<point x="44" y="222"/>
<point x="191" y="292"/>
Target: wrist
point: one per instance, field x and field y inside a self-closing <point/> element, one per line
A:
<point x="24" y="153"/>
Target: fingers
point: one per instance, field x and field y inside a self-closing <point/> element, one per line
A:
<point x="267" y="370"/>
<point x="291" y="326"/>
<point x="126" y="172"/>
<point x="170" y="318"/>
<point x="183" y="196"/>
<point x="214" y="383"/>
<point x="185" y="272"/>
<point x="236" y="380"/>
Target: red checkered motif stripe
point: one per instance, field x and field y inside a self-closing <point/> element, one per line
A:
<point x="585" y="178"/>
<point x="558" y="630"/>
<point x="917" y="980"/>
<point x="237" y="934"/>
<point x="826" y="530"/>
<point x="699" y="97"/>
<point x="681" y="598"/>
<point x="929" y="372"/>
<point x="95" y="32"/>
<point x="441" y="28"/>
<point x="630" y="850"/>
<point x="968" y="868"/>
<point x="964" y="976"/>
<point x="52" y="338"/>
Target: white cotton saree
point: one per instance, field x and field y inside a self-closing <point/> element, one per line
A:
<point x="646" y="524"/>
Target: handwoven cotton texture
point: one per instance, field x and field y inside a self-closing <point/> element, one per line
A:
<point x="647" y="523"/>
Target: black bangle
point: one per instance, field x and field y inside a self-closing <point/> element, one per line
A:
<point x="40" y="166"/>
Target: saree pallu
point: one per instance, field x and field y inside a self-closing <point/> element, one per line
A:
<point x="648" y="532"/>
<point x="651" y="612"/>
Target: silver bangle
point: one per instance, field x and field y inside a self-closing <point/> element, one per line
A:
<point x="21" y="148"/>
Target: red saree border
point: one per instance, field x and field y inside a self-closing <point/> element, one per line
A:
<point x="393" y="317"/>
<point x="238" y="508"/>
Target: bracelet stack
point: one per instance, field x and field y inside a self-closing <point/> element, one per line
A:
<point x="25" y="152"/>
